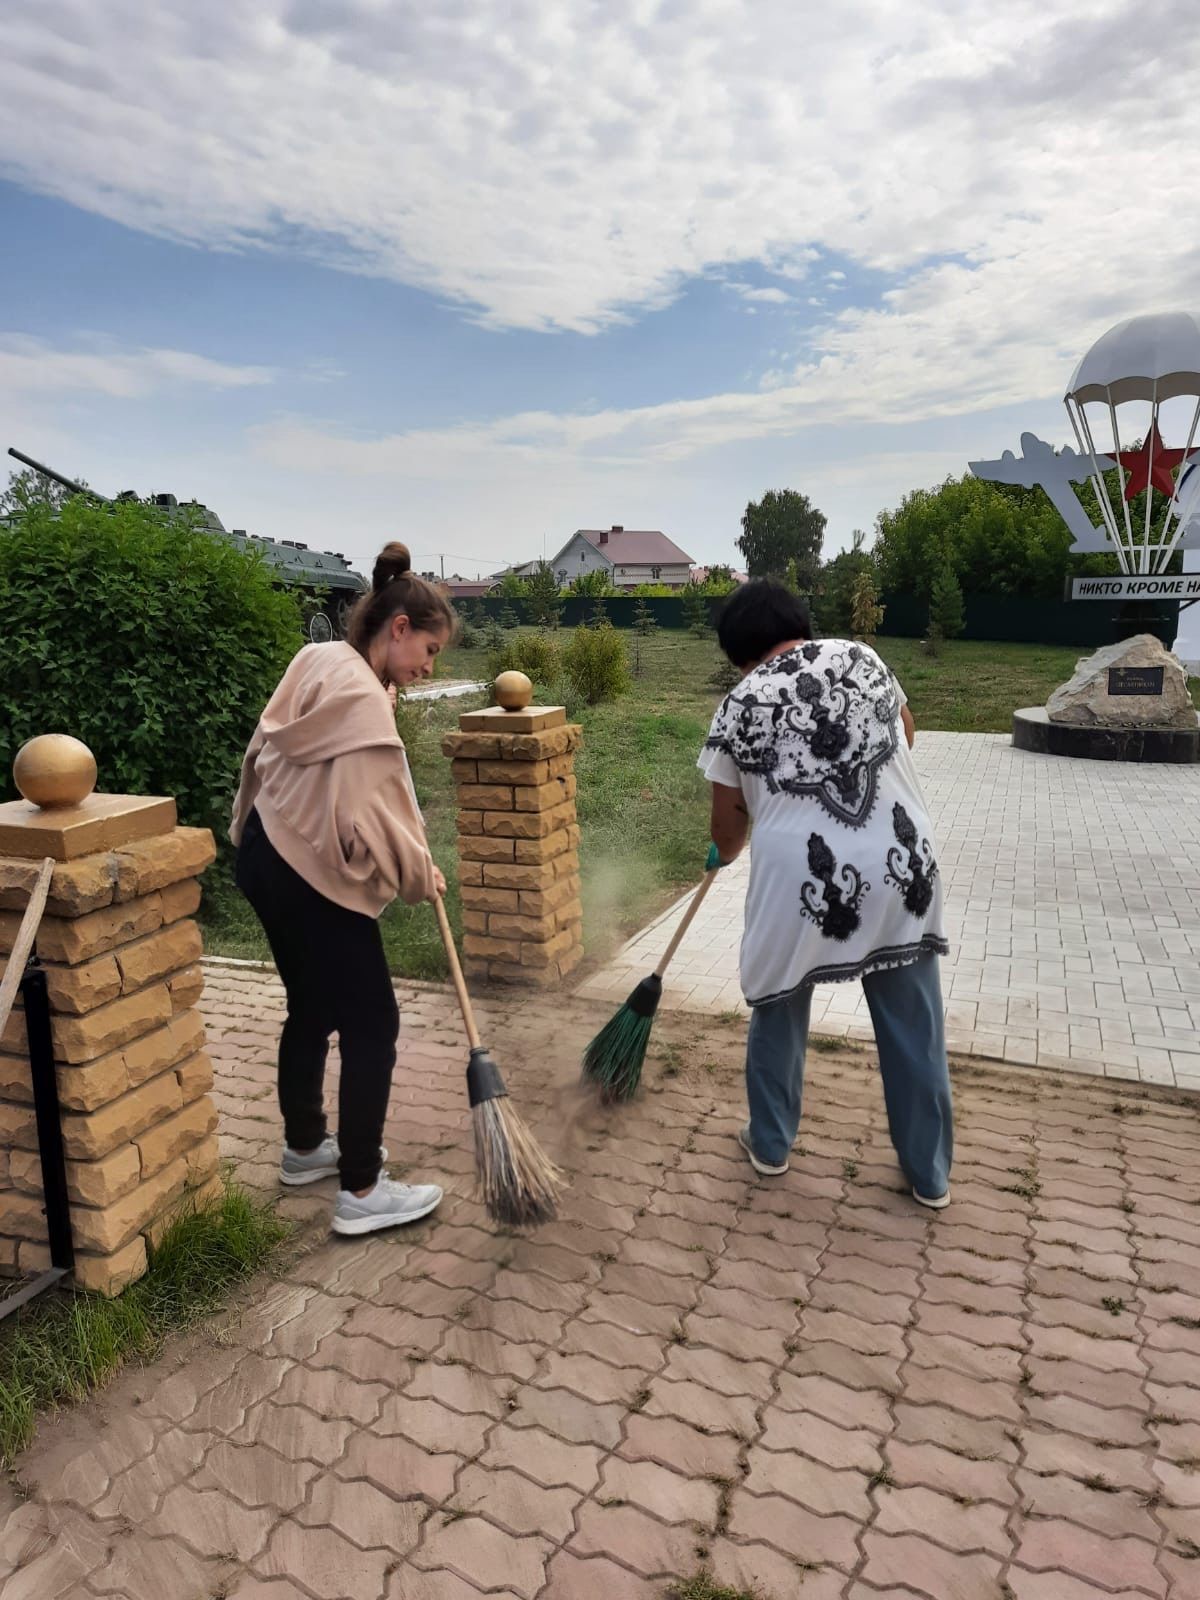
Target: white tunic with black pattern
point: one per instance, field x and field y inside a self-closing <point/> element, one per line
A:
<point x="843" y="867"/>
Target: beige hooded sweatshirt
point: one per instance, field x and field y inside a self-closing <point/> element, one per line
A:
<point x="328" y="775"/>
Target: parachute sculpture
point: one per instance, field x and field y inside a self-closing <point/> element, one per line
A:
<point x="1148" y="361"/>
<point x="1119" y="391"/>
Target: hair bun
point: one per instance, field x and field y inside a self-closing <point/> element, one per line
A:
<point x="393" y="561"/>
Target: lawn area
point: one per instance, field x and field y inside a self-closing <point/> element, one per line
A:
<point x="643" y="807"/>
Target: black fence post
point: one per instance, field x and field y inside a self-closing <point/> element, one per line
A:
<point x="49" y="1125"/>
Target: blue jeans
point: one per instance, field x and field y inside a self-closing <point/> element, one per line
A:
<point x="906" y="1011"/>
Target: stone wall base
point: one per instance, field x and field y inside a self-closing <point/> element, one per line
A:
<point x="121" y="953"/>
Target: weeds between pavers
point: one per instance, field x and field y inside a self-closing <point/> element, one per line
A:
<point x="702" y="1587"/>
<point x="57" y="1350"/>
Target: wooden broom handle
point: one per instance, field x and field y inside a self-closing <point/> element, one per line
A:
<point x="688" y="917"/>
<point x="460" y="983"/>
<point x="23" y="944"/>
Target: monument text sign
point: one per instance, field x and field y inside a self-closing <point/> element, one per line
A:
<point x="1135" y="680"/>
<point x="1183" y="586"/>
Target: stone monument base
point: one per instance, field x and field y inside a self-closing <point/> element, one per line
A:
<point x="1033" y="730"/>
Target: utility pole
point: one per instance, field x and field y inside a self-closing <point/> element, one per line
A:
<point x="442" y="559"/>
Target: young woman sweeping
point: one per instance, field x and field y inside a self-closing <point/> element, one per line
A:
<point x="812" y="747"/>
<point x="329" y="832"/>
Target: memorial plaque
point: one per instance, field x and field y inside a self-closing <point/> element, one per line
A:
<point x="1135" y="680"/>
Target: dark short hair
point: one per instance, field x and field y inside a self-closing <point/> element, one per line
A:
<point x="757" y="617"/>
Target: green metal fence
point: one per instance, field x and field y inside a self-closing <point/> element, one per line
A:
<point x="993" y="617"/>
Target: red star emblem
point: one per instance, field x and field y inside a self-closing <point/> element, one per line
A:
<point x="1151" y="463"/>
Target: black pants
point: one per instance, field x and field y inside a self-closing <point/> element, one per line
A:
<point x="334" y="970"/>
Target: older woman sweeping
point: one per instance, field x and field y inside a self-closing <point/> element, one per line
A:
<point x="812" y="748"/>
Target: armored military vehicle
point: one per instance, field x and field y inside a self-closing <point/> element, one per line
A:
<point x="327" y="580"/>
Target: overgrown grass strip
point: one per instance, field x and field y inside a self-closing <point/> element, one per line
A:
<point x="56" y="1351"/>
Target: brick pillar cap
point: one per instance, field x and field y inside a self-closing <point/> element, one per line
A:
<point x="533" y="719"/>
<point x="101" y="822"/>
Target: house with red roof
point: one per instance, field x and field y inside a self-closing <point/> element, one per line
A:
<point x="630" y="556"/>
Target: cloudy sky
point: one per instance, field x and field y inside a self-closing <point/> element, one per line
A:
<point x="480" y="272"/>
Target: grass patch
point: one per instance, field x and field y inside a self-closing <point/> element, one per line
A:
<point x="702" y="1587"/>
<point x="973" y="686"/>
<point x="643" y="806"/>
<point x="57" y="1350"/>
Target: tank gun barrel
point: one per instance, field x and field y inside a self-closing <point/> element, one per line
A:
<point x="55" y="477"/>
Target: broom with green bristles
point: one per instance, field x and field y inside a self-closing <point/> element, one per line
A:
<point x="613" y="1060"/>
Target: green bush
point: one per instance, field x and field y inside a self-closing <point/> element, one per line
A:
<point x="726" y="676"/>
<point x="534" y="654"/>
<point x="596" y="663"/>
<point x="155" y="643"/>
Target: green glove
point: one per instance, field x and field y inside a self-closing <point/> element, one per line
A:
<point x="714" y="861"/>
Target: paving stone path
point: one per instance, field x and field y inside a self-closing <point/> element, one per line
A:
<point x="1072" y="908"/>
<point x="804" y="1385"/>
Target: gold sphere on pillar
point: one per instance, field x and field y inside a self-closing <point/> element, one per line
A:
<point x="55" y="770"/>
<point x="514" y="691"/>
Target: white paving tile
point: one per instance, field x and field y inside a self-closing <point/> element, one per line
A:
<point x="1072" y="907"/>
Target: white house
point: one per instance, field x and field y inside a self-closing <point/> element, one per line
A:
<point x="630" y="556"/>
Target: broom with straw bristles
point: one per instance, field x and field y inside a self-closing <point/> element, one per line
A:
<point x="518" y="1182"/>
<point x="613" y="1060"/>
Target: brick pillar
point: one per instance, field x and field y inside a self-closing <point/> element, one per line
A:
<point x="518" y="843"/>
<point x="121" y="954"/>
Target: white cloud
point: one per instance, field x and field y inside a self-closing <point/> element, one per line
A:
<point x="769" y="296"/>
<point x="552" y="164"/>
<point x="33" y="368"/>
<point x="558" y="165"/>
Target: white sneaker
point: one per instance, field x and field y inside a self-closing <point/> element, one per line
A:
<point x="766" y="1170"/>
<point x="387" y="1205"/>
<point x="296" y="1169"/>
<point x="933" y="1202"/>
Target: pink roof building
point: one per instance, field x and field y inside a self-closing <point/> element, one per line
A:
<point x="631" y="556"/>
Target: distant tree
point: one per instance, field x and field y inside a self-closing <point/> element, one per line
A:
<point x="509" y="618"/>
<point x="593" y="583"/>
<point x="644" y="621"/>
<point x="494" y="636"/>
<point x="833" y="601"/>
<point x="946" y="605"/>
<point x="512" y="586"/>
<point x="542" y="596"/>
<point x="29" y="489"/>
<point x="996" y="538"/>
<point x="783" y="526"/>
<point x="866" y="613"/>
<point x="695" y="609"/>
<point x="719" y="580"/>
